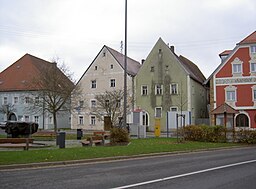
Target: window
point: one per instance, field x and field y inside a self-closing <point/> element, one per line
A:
<point x="92" y="120"/>
<point x="118" y="103"/>
<point x="144" y="90"/>
<point x="152" y="69"/>
<point x="111" y="66"/>
<point x="37" y="100"/>
<point x="50" y="121"/>
<point x="174" y="88"/>
<point x="254" y="94"/>
<point x="93" y="103"/>
<point x="81" y="103"/>
<point x="145" y="118"/>
<point x="106" y="103"/>
<point x="253" y="67"/>
<point x="158" y="89"/>
<point x="93" y="84"/>
<point x="95" y="67"/>
<point x="27" y="100"/>
<point x="81" y="120"/>
<point x="26" y="118"/>
<point x="5" y="100"/>
<point x="15" y="100"/>
<point x="112" y="82"/>
<point x="253" y="49"/>
<point x="174" y="109"/>
<point x="36" y="119"/>
<point x="158" y="112"/>
<point x="237" y="68"/>
<point x="242" y="121"/>
<point x="230" y="95"/>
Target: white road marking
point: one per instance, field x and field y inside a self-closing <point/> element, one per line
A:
<point x="184" y="175"/>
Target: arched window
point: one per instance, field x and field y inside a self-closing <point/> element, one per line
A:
<point x="242" y="121"/>
<point x="12" y="117"/>
<point x="145" y="118"/>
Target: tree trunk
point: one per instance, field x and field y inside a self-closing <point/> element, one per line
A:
<point x="55" y="121"/>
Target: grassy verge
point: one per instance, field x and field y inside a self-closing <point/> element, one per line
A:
<point x="137" y="146"/>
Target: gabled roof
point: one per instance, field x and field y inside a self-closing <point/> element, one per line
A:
<point x="192" y="69"/>
<point x="224" y="108"/>
<point x="20" y="75"/>
<point x="133" y="66"/>
<point x="249" y="39"/>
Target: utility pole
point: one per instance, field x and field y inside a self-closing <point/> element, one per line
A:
<point x="125" y="67"/>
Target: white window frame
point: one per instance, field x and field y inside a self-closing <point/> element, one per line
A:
<point x="93" y="103"/>
<point x="93" y="84"/>
<point x="36" y="119"/>
<point x="228" y="91"/>
<point x="26" y="118"/>
<point x="174" y="107"/>
<point x="80" y="120"/>
<point x="253" y="67"/>
<point x="237" y="67"/>
<point x="112" y="82"/>
<point x="254" y="93"/>
<point x="15" y="100"/>
<point x="92" y="120"/>
<point x="177" y="88"/>
<point x="158" y="89"/>
<point x="144" y="90"/>
<point x="253" y="49"/>
<point x="27" y="100"/>
<point x="156" y="112"/>
<point x="5" y="100"/>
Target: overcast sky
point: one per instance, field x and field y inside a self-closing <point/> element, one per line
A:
<point x="76" y="30"/>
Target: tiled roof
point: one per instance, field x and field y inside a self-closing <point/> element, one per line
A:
<point x="192" y="69"/>
<point x="249" y="39"/>
<point x="224" y="108"/>
<point x="226" y="52"/>
<point x="132" y="65"/>
<point x="20" y="75"/>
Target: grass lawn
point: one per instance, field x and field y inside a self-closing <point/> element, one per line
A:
<point x="137" y="146"/>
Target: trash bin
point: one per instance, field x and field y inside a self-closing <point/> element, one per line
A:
<point x="61" y="139"/>
<point x="79" y="134"/>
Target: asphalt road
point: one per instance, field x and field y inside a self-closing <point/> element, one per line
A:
<point x="233" y="168"/>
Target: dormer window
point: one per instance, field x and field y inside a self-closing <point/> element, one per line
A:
<point x="95" y="67"/>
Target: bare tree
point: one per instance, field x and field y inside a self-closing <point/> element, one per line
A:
<point x="54" y="92"/>
<point x="110" y="104"/>
<point x="7" y="109"/>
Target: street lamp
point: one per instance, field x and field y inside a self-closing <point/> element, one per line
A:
<point x="125" y="67"/>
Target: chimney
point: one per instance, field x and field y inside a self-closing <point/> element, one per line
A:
<point x="172" y="48"/>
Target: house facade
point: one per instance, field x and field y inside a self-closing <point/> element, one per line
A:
<point x="105" y="73"/>
<point x="233" y="83"/>
<point x="167" y="82"/>
<point x="18" y="94"/>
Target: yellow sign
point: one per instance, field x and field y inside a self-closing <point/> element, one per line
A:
<point x="157" y="127"/>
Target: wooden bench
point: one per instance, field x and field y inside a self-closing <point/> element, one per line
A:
<point x="16" y="142"/>
<point x="45" y="134"/>
<point x="104" y="134"/>
<point x="93" y="140"/>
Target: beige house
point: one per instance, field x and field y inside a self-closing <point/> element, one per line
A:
<point x="105" y="73"/>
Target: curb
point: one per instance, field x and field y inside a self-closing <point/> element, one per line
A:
<point x="98" y="160"/>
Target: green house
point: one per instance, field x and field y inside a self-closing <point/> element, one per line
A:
<point x="168" y="82"/>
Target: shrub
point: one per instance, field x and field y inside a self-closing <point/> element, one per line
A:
<point x="205" y="133"/>
<point x="246" y="136"/>
<point x="119" y="135"/>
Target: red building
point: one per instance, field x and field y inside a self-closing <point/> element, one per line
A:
<point x="233" y="86"/>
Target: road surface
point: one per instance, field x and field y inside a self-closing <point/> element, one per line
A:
<point x="229" y="169"/>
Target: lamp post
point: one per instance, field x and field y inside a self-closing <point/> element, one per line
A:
<point x="125" y="67"/>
